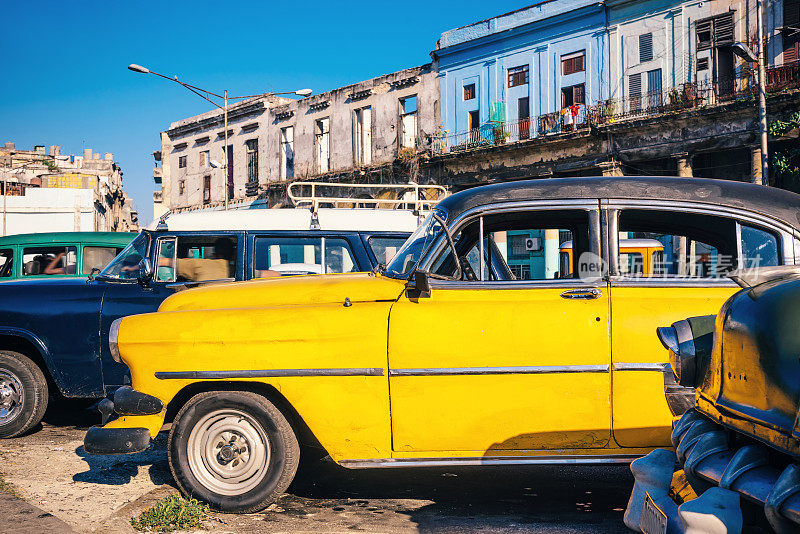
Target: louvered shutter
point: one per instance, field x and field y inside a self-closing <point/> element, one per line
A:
<point x="791" y="31"/>
<point x="645" y="47"/>
<point x="723" y="29"/>
<point x="703" y="31"/>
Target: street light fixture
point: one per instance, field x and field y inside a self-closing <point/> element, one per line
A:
<point x="207" y="95"/>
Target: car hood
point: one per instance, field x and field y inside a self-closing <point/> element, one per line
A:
<point x="287" y="291"/>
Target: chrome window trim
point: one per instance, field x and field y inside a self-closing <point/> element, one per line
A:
<point x="556" y="283"/>
<point x="587" y="205"/>
<point x="526" y="370"/>
<point x="575" y="459"/>
<point x="267" y="373"/>
<point x="614" y="205"/>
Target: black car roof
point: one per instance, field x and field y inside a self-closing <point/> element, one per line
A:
<point x="776" y="203"/>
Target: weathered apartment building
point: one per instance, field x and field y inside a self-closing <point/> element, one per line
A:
<point x="558" y="88"/>
<point x="356" y="132"/>
<point x="46" y="191"/>
<point x="584" y="87"/>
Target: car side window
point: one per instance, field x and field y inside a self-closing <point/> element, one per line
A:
<point x="518" y="246"/>
<point x="385" y="248"/>
<point x="279" y="256"/>
<point x="97" y="257"/>
<point x="760" y="248"/>
<point x="196" y="258"/>
<point x="689" y="245"/>
<point x="6" y="262"/>
<point x="52" y="260"/>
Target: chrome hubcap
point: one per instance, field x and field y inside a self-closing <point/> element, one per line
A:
<point x="11" y="396"/>
<point x="228" y="452"/>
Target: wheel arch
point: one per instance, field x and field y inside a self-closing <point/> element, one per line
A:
<point x="24" y="342"/>
<point x="305" y="436"/>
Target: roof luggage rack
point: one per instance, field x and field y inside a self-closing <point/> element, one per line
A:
<point x="408" y="196"/>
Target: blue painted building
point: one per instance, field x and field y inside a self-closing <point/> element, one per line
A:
<point x="519" y="67"/>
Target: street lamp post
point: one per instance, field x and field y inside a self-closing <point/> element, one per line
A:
<point x="224" y="107"/>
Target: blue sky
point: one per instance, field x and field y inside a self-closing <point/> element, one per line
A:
<point x="64" y="78"/>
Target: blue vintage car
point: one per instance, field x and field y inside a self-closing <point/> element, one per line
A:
<point x="54" y="332"/>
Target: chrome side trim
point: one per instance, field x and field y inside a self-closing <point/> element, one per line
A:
<point x="657" y="366"/>
<point x="267" y="373"/>
<point x="530" y="370"/>
<point x="489" y="460"/>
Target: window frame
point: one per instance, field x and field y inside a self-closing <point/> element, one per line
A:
<point x="65" y="247"/>
<point x="612" y="208"/>
<point x="240" y="255"/>
<point x="403" y="114"/>
<point x="569" y="59"/>
<point x="590" y="206"/>
<point x="182" y="161"/>
<point x="321" y="241"/>
<point x="573" y="87"/>
<point x="471" y="94"/>
<point x="251" y="158"/>
<point x="513" y="75"/>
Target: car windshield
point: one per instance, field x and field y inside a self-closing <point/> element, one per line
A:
<point x="410" y="253"/>
<point x="126" y="265"/>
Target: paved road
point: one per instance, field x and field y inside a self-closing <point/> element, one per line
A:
<point x="91" y="493"/>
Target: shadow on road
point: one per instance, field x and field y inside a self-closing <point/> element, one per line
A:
<point x="498" y="498"/>
<point x="119" y="469"/>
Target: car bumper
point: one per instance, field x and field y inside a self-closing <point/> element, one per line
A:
<point x="100" y="440"/>
<point x="723" y="476"/>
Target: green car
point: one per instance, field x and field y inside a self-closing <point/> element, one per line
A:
<point x="58" y="253"/>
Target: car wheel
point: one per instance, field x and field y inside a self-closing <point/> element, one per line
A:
<point x="23" y="394"/>
<point x="234" y="450"/>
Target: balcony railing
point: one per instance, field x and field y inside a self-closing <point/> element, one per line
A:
<point x="684" y="97"/>
<point x="783" y="77"/>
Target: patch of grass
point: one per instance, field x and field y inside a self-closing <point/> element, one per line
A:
<point x="8" y="487"/>
<point x="171" y="513"/>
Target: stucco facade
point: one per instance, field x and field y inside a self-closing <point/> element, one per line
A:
<point x="353" y="129"/>
<point x="538" y="38"/>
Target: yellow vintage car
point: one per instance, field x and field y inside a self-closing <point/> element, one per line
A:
<point x="448" y="356"/>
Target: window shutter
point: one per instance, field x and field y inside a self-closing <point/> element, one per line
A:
<point x="645" y="47"/>
<point x="703" y="30"/>
<point x="790" y="51"/>
<point x="635" y="84"/>
<point x="577" y="94"/>
<point x="723" y="29"/>
<point x="791" y="13"/>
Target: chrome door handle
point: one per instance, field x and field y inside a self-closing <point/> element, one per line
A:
<point x="584" y="294"/>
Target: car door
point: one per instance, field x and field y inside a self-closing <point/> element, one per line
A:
<point x="496" y="362"/>
<point x="700" y="245"/>
<point x="176" y="260"/>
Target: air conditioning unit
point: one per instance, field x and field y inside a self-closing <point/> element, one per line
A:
<point x="533" y="244"/>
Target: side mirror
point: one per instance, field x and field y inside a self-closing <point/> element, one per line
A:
<point x="145" y="271"/>
<point x="419" y="287"/>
